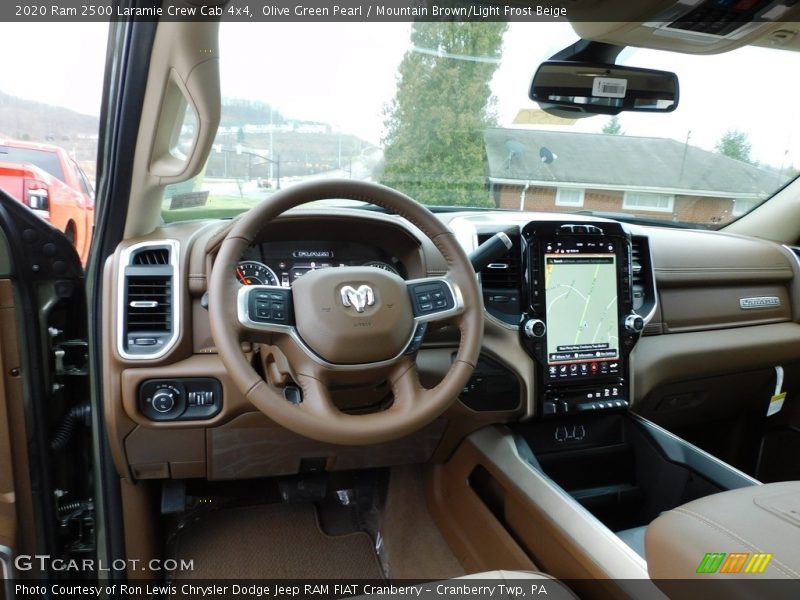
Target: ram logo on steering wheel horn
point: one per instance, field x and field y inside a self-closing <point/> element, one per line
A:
<point x="358" y="298"/>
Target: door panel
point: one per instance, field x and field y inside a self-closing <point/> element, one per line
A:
<point x="10" y="396"/>
<point x="42" y="322"/>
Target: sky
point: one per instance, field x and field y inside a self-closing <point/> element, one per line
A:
<point x="345" y="73"/>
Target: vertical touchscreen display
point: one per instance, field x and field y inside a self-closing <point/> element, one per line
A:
<point x="582" y="313"/>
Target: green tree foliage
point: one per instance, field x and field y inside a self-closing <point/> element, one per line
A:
<point x="613" y="127"/>
<point x="734" y="144"/>
<point x="434" y="149"/>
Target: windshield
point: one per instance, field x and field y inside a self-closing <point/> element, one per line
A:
<point x="441" y="112"/>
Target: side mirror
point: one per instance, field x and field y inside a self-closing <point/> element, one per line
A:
<point x="571" y="88"/>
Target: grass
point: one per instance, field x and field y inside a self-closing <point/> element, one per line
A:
<point x="217" y="207"/>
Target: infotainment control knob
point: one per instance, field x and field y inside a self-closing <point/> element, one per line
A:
<point x="534" y="328"/>
<point x="634" y="323"/>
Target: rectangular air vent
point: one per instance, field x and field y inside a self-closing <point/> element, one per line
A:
<point x="151" y="256"/>
<point x="644" y="294"/>
<point x="501" y="282"/>
<point x="148" y="310"/>
<point x="504" y="272"/>
<point x="149" y="304"/>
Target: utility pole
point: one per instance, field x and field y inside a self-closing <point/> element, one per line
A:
<point x="271" y="149"/>
<point x="685" y="149"/>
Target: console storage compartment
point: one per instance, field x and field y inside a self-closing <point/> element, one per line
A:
<point x="615" y="467"/>
<point x="531" y="494"/>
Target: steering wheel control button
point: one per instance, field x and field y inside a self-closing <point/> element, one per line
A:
<point x="269" y="306"/>
<point x="416" y="340"/>
<point x="182" y="399"/>
<point x="430" y="297"/>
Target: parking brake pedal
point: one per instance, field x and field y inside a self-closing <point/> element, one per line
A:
<point x="173" y="497"/>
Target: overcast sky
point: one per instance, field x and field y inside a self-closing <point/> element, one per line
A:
<point x="345" y="73"/>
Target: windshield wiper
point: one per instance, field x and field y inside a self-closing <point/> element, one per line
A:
<point x="629" y="218"/>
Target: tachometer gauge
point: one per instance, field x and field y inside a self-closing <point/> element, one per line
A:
<point x="251" y="272"/>
<point x="381" y="265"/>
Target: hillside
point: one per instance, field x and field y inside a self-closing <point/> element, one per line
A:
<point x="26" y="119"/>
<point x="252" y="127"/>
<point x="22" y="119"/>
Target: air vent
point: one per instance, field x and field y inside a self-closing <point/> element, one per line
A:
<point x="644" y="295"/>
<point x="149" y="304"/>
<point x="501" y="282"/>
<point x="504" y="272"/>
<point x="151" y="256"/>
<point x="148" y="309"/>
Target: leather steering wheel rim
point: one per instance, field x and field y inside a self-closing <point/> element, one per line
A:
<point x="316" y="417"/>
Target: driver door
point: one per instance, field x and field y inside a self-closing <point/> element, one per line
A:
<point x="45" y="449"/>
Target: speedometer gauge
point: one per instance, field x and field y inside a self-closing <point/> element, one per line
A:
<point x="378" y="264"/>
<point x="251" y="272"/>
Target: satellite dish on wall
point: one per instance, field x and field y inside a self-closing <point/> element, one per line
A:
<point x="546" y="155"/>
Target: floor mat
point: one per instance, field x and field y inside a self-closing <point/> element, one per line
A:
<point x="415" y="549"/>
<point x="276" y="541"/>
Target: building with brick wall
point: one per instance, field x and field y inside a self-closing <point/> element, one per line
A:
<point x="654" y="178"/>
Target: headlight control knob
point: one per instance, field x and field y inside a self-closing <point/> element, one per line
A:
<point x="164" y="400"/>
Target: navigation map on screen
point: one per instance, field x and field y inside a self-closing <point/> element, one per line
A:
<point x="581" y="298"/>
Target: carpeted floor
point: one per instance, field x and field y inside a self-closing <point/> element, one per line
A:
<point x="275" y="541"/>
<point x="415" y="549"/>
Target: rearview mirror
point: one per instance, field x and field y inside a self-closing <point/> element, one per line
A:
<point x="572" y="88"/>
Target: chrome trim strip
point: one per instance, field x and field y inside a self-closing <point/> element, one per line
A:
<point x="7" y="570"/>
<point x="243" y="314"/>
<point x="711" y="457"/>
<point x="124" y="262"/>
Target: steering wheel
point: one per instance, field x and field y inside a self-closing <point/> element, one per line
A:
<point x="346" y="325"/>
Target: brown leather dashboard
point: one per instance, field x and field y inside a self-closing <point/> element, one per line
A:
<point x="701" y="278"/>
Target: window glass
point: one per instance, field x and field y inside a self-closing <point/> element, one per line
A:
<point x="46" y="161"/>
<point x="569" y="197"/>
<point x="647" y="201"/>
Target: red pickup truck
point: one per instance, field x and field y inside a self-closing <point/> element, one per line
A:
<point x="45" y="178"/>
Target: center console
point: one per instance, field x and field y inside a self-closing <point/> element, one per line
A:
<point x="578" y="320"/>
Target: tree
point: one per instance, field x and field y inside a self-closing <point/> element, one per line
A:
<point x="434" y="149"/>
<point x="734" y="144"/>
<point x="613" y="127"/>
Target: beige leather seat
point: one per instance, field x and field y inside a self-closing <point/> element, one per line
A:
<point x="511" y="579"/>
<point x="744" y="543"/>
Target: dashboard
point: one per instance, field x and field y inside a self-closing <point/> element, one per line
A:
<point x="688" y="287"/>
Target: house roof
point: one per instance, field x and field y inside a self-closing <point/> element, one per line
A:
<point x="621" y="162"/>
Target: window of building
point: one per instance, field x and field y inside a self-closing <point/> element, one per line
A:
<point x="570" y="196"/>
<point x="648" y="201"/>
<point x="743" y="206"/>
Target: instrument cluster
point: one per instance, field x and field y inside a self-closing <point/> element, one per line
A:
<point x="281" y="263"/>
